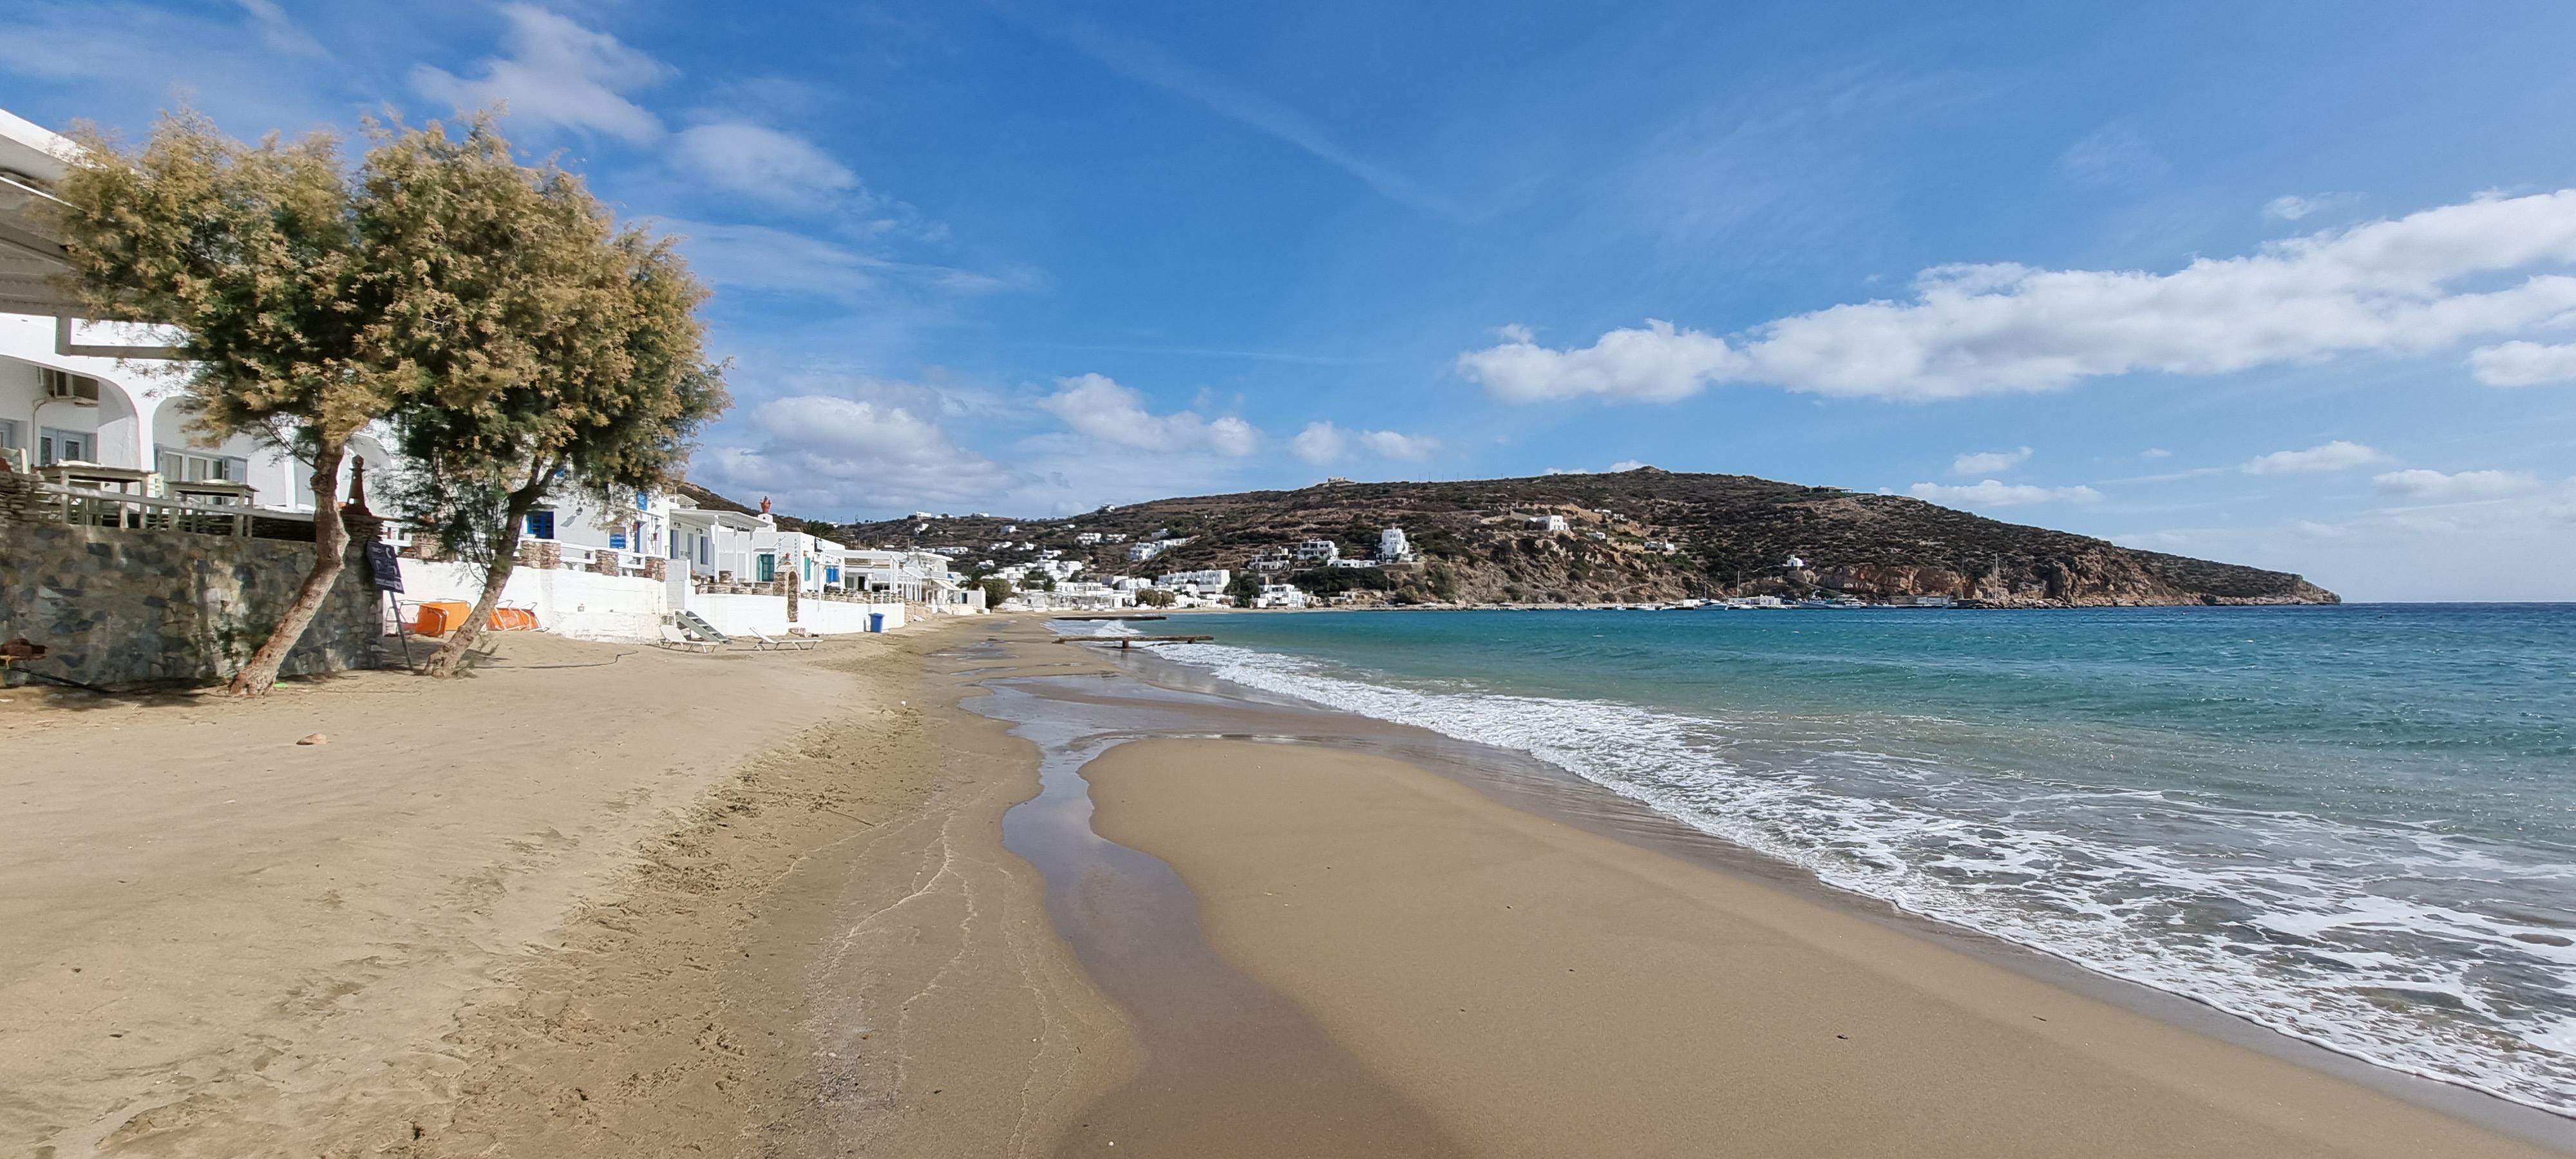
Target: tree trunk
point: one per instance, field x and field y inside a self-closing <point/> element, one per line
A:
<point x="330" y="554"/>
<point x="505" y="559"/>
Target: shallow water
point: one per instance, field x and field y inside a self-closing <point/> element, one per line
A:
<point x="2355" y="825"/>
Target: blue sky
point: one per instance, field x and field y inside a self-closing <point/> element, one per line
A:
<point x="2286" y="285"/>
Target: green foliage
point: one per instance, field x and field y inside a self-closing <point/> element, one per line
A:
<point x="1245" y="588"/>
<point x="263" y="258"/>
<point x="996" y="590"/>
<point x="1330" y="581"/>
<point x="1156" y="598"/>
<point x="556" y="347"/>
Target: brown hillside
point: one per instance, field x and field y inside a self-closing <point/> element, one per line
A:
<point x="1731" y="535"/>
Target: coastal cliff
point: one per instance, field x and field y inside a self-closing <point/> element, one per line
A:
<point x="1633" y="536"/>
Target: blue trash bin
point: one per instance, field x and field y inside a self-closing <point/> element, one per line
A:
<point x="876" y="621"/>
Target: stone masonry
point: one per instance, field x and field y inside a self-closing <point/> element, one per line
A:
<point x="119" y="606"/>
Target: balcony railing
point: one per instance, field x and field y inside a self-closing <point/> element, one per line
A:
<point x="83" y="507"/>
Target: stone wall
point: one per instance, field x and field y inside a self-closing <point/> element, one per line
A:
<point x="117" y="606"/>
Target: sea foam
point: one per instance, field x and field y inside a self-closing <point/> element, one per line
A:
<point x="2382" y="942"/>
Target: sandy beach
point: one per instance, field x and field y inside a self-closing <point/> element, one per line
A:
<point x="579" y="903"/>
<point x="608" y="900"/>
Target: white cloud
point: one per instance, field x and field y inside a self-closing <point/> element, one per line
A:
<point x="1322" y="442"/>
<point x="2382" y="287"/>
<point x="1395" y="445"/>
<point x="558" y="73"/>
<point x="2424" y="484"/>
<point x="1096" y="406"/>
<point x="815" y="453"/>
<point x="761" y="161"/>
<point x="2155" y="453"/>
<point x="2523" y="364"/>
<point x="1997" y="493"/>
<point x="1989" y="462"/>
<point x="1657" y="364"/>
<point x="2334" y="456"/>
<point x="1625" y="465"/>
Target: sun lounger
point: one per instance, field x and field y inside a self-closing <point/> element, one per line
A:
<point x="672" y="638"/>
<point x="761" y="639"/>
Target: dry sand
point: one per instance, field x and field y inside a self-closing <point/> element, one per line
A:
<point x="1540" y="990"/>
<point x="595" y="899"/>
<point x="608" y="900"/>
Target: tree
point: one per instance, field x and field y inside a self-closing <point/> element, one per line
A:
<point x="996" y="590"/>
<point x="265" y="261"/>
<point x="564" y="351"/>
<point x="1156" y="598"/>
<point x="1245" y="589"/>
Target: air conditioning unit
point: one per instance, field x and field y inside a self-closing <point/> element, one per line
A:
<point x="76" y="388"/>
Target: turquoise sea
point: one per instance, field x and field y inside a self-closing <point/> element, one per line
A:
<point x="2355" y="825"/>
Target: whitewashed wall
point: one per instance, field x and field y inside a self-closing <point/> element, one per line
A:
<point x="741" y="614"/>
<point x="583" y="605"/>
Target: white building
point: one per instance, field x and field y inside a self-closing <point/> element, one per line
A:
<point x="1546" y="522"/>
<point x="1087" y="538"/>
<point x="1271" y="559"/>
<point x="596" y="565"/>
<point x="1142" y="552"/>
<point x="1280" y="596"/>
<point x="1316" y="552"/>
<point x="1392" y="546"/>
<point x="1205" y="582"/>
<point x="715" y="544"/>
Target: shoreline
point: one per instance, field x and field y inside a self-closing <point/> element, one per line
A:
<point x="859" y="899"/>
<point x="1543" y="791"/>
<point x="594" y="899"/>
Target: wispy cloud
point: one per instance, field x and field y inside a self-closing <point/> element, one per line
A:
<point x="1989" y="462"/>
<point x="2424" y="484"/>
<point x="761" y="162"/>
<point x="2113" y="154"/>
<point x="2335" y="456"/>
<point x="1143" y="62"/>
<point x="1997" y="493"/>
<point x="557" y="73"/>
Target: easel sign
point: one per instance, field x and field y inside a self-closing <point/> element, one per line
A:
<point x="384" y="565"/>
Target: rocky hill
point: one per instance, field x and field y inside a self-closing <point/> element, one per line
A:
<point x="1634" y="536"/>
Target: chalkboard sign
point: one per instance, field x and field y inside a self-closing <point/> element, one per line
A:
<point x="387" y="566"/>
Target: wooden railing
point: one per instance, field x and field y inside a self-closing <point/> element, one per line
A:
<point x="83" y="507"/>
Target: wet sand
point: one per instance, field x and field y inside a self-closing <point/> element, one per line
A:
<point x="1516" y="984"/>
<point x="609" y="900"/>
<point x="594" y="900"/>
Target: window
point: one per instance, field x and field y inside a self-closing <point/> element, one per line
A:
<point x="679" y="547"/>
<point x="79" y="388"/>
<point x="180" y="466"/>
<point x="831" y="575"/>
<point x="765" y="568"/>
<point x="704" y="549"/>
<point x="53" y="446"/>
<point x="541" y="525"/>
<point x="8" y="433"/>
